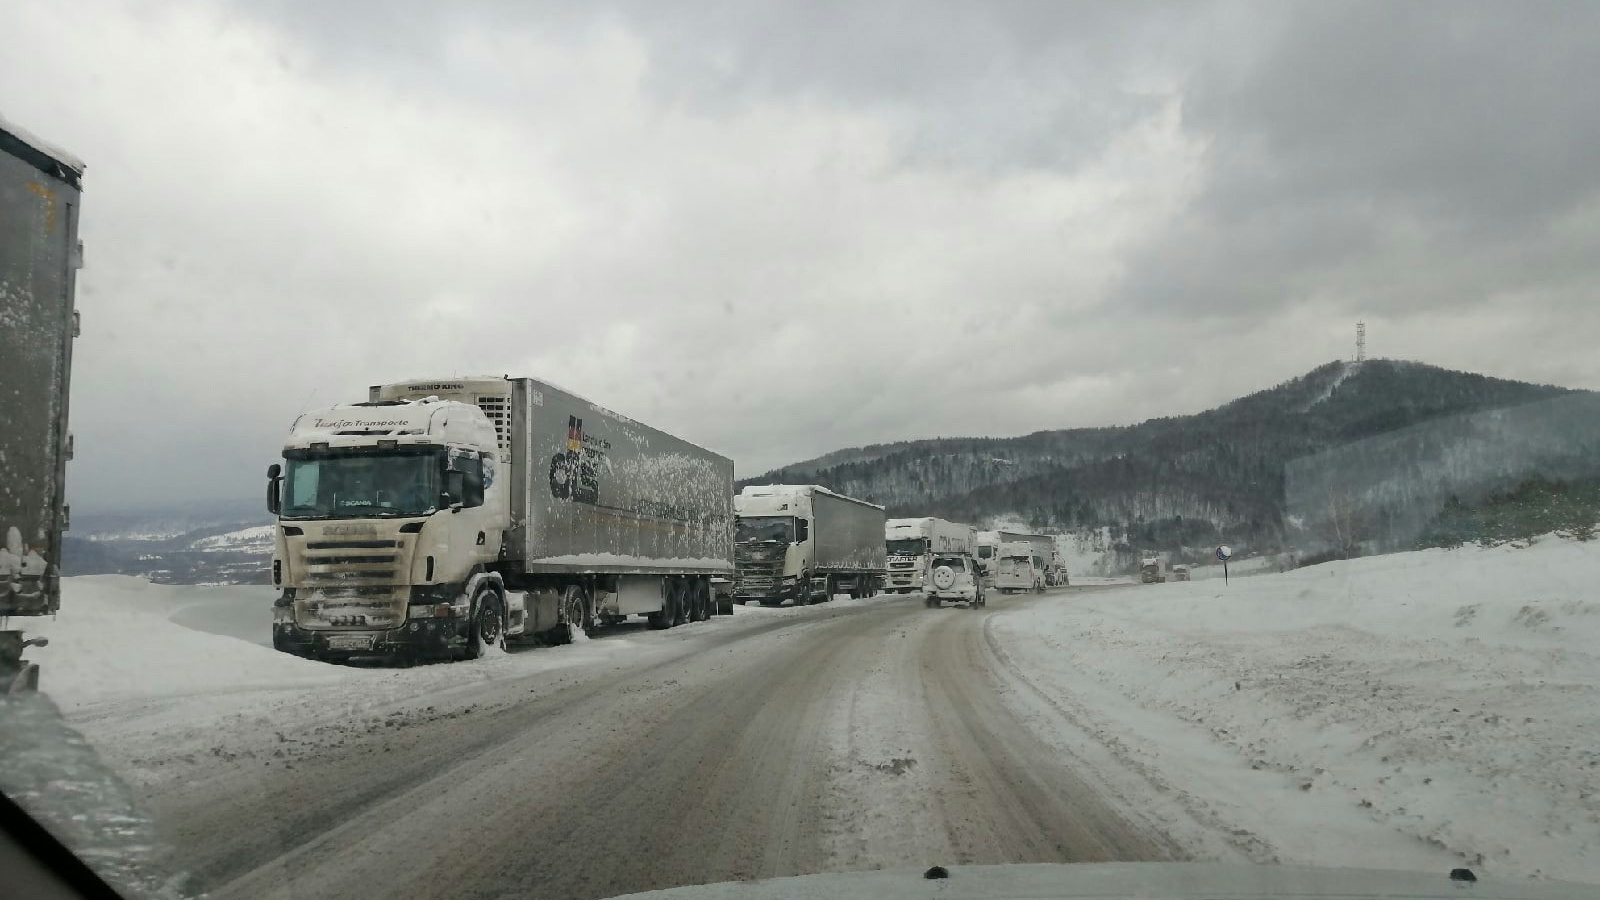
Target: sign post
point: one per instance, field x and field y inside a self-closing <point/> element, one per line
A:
<point x="1223" y="552"/>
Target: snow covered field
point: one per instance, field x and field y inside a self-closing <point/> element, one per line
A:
<point x="1396" y="711"/>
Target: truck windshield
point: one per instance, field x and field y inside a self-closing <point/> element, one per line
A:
<point x="361" y="484"/>
<point x="761" y="529"/>
<point x="907" y="547"/>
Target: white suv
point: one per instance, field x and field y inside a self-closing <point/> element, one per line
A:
<point x="955" y="578"/>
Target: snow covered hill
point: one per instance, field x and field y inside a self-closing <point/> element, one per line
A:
<point x="1354" y="713"/>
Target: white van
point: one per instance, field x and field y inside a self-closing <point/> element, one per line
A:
<point x="1019" y="568"/>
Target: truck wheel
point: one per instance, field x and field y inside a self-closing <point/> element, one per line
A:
<point x="575" y="616"/>
<point x="667" y="616"/>
<point x="701" y="604"/>
<point x="685" y="599"/>
<point x="485" y="630"/>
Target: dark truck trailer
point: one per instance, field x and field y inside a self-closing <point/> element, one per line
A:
<point x="40" y="188"/>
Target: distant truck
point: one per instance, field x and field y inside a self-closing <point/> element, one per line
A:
<point x="1153" y="570"/>
<point x="804" y="543"/>
<point x="1044" y="547"/>
<point x="444" y="515"/>
<point x="40" y="191"/>
<point x="1181" y="573"/>
<point x="911" y="545"/>
<point x="1018" y="567"/>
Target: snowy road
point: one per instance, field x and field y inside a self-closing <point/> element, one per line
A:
<point x="848" y="736"/>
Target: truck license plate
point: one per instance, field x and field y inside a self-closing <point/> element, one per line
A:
<point x="349" y="642"/>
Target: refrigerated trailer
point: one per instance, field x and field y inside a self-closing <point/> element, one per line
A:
<point x="40" y="187"/>
<point x="911" y="545"/>
<point x="443" y="515"/>
<point x="804" y="543"/>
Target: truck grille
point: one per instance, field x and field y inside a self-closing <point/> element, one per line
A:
<point x="756" y="571"/>
<point x="349" y="563"/>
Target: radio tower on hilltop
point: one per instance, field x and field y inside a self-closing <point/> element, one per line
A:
<point x="1361" y="342"/>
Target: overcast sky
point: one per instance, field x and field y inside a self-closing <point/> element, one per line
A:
<point x="778" y="229"/>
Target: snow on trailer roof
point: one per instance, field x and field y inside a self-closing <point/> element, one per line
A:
<point x="408" y="418"/>
<point x="797" y="490"/>
<point x="40" y="153"/>
<point x="463" y="380"/>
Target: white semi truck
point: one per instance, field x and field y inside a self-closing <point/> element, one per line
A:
<point x="1153" y="569"/>
<point x="40" y="190"/>
<point x="911" y="545"/>
<point x="804" y="543"/>
<point x="442" y="516"/>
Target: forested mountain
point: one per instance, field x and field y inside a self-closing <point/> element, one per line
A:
<point x="1185" y="480"/>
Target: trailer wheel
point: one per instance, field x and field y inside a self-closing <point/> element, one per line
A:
<point x="575" y="616"/>
<point x="700" y="601"/>
<point x="667" y="615"/>
<point x="685" y="602"/>
<point x="486" y="630"/>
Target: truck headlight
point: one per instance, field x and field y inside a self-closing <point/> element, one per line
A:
<point x="282" y="614"/>
<point x="790" y="579"/>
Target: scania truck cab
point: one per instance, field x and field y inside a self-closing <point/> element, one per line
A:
<point x="386" y="511"/>
<point x="804" y="543"/>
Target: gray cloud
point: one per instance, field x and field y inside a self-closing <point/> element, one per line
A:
<point x="778" y="229"/>
<point x="1392" y="155"/>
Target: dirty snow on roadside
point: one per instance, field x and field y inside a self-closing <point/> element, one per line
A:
<point x="128" y="667"/>
<point x="162" y="678"/>
<point x="1403" y="711"/>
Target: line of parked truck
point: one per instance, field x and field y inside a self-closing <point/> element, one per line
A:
<point x="441" y="517"/>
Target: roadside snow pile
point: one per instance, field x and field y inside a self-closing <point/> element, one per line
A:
<point x="120" y="640"/>
<point x="114" y="640"/>
<point x="1451" y="696"/>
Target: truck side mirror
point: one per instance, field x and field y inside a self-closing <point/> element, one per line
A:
<point x="274" y="494"/>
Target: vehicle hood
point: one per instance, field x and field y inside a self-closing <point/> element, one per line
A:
<point x="1145" y="881"/>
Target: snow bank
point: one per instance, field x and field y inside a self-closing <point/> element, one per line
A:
<point x="121" y="642"/>
<point x="1399" y="710"/>
<point x="259" y="535"/>
<point x="114" y="640"/>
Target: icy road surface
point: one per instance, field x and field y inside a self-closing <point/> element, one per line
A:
<point x="849" y="735"/>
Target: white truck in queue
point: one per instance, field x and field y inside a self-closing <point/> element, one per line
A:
<point x="40" y="193"/>
<point x="1044" y="548"/>
<point x="442" y="516"/>
<point x="1018" y="567"/>
<point x="804" y="543"/>
<point x="1153" y="569"/>
<point x="912" y="543"/>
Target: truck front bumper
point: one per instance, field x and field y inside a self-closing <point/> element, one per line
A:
<point x="777" y="594"/>
<point x="441" y="638"/>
